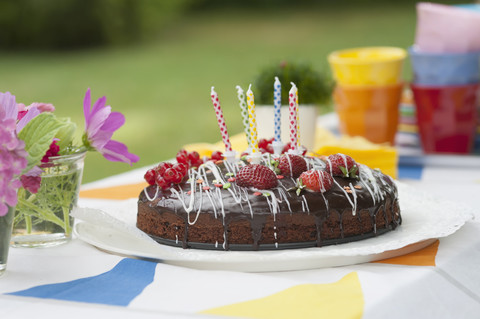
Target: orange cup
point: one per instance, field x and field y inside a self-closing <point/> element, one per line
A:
<point x="369" y="111"/>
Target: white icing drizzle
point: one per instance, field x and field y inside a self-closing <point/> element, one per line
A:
<point x="224" y="239"/>
<point x="366" y="175"/>
<point x="148" y="197"/>
<point x="346" y="194"/>
<point x="326" y="202"/>
<point x="354" y="194"/>
<point x="283" y="195"/>
<point x="273" y="203"/>
<point x="306" y="203"/>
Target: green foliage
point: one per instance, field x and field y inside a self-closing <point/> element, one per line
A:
<point x="38" y="135"/>
<point x="313" y="87"/>
<point x="66" y="133"/>
<point x="68" y="24"/>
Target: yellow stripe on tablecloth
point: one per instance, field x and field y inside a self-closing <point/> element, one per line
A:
<point x="341" y="299"/>
<point x="422" y="257"/>
<point x="115" y="192"/>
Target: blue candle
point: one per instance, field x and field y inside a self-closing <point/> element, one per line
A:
<point x="277" y="104"/>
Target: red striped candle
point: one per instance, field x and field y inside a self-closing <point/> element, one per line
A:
<point x="292" y="102"/>
<point x="221" y="120"/>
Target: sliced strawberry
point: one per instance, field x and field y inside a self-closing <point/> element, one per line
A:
<point x="315" y="180"/>
<point x="292" y="165"/>
<point x="256" y="175"/>
<point x="342" y="165"/>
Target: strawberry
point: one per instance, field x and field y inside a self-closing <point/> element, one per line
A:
<point x="256" y="175"/>
<point x="292" y="165"/>
<point x="342" y="165"/>
<point x="315" y="180"/>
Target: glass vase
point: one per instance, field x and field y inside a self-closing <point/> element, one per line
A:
<point x="6" y="223"/>
<point x="43" y="219"/>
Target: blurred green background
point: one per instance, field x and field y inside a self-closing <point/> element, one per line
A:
<point x="156" y="60"/>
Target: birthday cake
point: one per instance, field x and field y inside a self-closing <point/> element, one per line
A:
<point x="291" y="201"/>
<point x="270" y="198"/>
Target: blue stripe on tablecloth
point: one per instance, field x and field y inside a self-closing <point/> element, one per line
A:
<point x="118" y="286"/>
<point x="410" y="171"/>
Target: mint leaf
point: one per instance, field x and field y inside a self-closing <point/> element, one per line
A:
<point x="38" y="135"/>
<point x="65" y="133"/>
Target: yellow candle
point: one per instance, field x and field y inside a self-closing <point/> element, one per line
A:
<point x="252" y="121"/>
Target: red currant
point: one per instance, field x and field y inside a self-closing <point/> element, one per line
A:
<point x="173" y="176"/>
<point x="182" y="158"/>
<point x="262" y="143"/>
<point x="182" y="152"/>
<point x="150" y="176"/>
<point x="217" y="156"/>
<point x="181" y="168"/>
<point x="193" y="156"/>
<point x="162" y="167"/>
<point x="162" y="183"/>
<point x="286" y="147"/>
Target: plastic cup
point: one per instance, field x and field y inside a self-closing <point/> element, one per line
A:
<point x="368" y="65"/>
<point x="443" y="28"/>
<point x="446" y="117"/>
<point x="369" y="111"/>
<point x="439" y="69"/>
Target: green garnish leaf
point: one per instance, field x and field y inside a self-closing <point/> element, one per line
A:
<point x="299" y="190"/>
<point x="226" y="185"/>
<point x="38" y="134"/>
<point x="353" y="172"/>
<point x="266" y="194"/>
<point x="229" y="174"/>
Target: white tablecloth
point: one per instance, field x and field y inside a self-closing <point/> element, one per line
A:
<point x="77" y="280"/>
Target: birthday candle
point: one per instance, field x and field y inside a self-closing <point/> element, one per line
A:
<point x="221" y="121"/>
<point x="252" y="120"/>
<point x="298" y="118"/>
<point x="244" y="111"/>
<point x="277" y="104"/>
<point x="292" y="107"/>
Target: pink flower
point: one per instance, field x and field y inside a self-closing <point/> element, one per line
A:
<point x="52" y="151"/>
<point x="100" y="124"/>
<point x="12" y="161"/>
<point x="27" y="113"/>
<point x="42" y="107"/>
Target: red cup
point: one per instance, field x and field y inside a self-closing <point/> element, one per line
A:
<point x="446" y="117"/>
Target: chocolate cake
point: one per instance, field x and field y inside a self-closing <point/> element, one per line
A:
<point x="282" y="202"/>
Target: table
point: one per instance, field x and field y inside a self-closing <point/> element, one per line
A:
<point x="77" y="280"/>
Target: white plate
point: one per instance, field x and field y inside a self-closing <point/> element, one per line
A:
<point x="424" y="220"/>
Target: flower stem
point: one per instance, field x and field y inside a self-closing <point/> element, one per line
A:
<point x="66" y="219"/>
<point x="28" y="224"/>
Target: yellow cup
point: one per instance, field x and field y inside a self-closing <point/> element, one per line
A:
<point x="368" y="65"/>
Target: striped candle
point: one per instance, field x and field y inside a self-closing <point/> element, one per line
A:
<point x="252" y="120"/>
<point x="277" y="104"/>
<point x="292" y="108"/>
<point x="298" y="119"/>
<point x="244" y="111"/>
<point x="221" y="120"/>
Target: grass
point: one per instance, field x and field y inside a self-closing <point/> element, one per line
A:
<point x="163" y="87"/>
